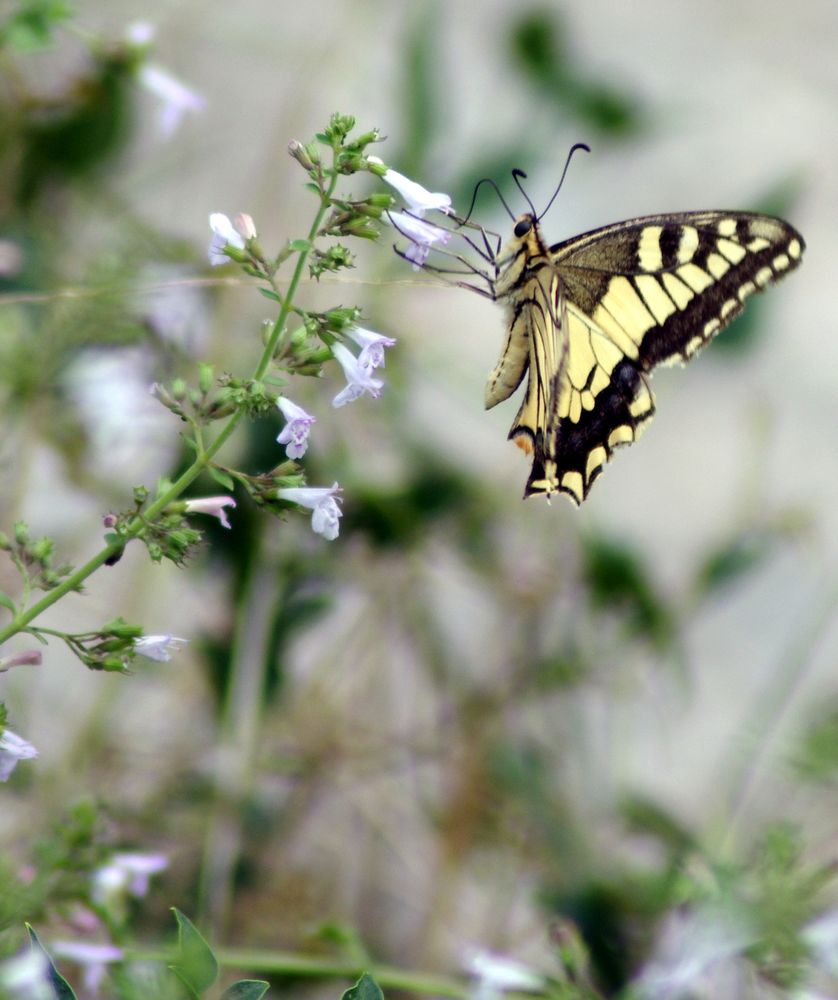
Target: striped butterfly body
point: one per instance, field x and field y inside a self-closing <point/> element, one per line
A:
<point x="589" y="318"/>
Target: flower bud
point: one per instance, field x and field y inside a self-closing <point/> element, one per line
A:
<point x="298" y="337"/>
<point x="42" y="550"/>
<point x="113" y="665"/>
<point x="245" y="226"/>
<point x="206" y="377"/>
<point x="306" y="156"/>
<point x="21" y="532"/>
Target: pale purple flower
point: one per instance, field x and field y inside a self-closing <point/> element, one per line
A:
<point x="158" y="647"/>
<point x="358" y="378"/>
<point x="224" y="234"/>
<point x="127" y="873"/>
<point x="12" y="749"/>
<point x="372" y="346"/>
<point x="418" y="199"/>
<point x="26" y="976"/>
<point x="495" y="974"/>
<point x="322" y="501"/>
<point x="297" y="428"/>
<point x="93" y="958"/>
<point x="422" y="236"/>
<point x="699" y="952"/>
<point x="177" y="98"/>
<point x="24" y="658"/>
<point x="140" y="33"/>
<point x="211" y="505"/>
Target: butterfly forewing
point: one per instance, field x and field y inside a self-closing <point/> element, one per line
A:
<point x="588" y="318"/>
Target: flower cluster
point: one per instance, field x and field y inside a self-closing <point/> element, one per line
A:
<point x="232" y="240"/>
<point x="412" y="223"/>
<point x="334" y="335"/>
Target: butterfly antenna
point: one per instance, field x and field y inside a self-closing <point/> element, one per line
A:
<point x="516" y="175"/>
<point x="573" y="148"/>
<point x="487" y="180"/>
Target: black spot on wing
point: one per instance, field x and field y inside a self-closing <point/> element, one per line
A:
<point x="575" y="441"/>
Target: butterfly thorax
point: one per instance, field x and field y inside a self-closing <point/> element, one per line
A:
<point x="523" y="256"/>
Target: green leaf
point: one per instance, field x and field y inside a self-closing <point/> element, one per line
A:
<point x="246" y="989"/>
<point x="221" y="477"/>
<point x="365" y="989"/>
<point x="736" y="557"/>
<point x="63" y="990"/>
<point x="195" y="964"/>
<point x="7" y="602"/>
<point x="300" y="245"/>
<point x="269" y="294"/>
<point x="30" y="28"/>
<point x="618" y="578"/>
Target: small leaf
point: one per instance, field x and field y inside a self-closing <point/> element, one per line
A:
<point x="7" y="602"/>
<point x="365" y="989"/>
<point x="300" y="245"/>
<point x="63" y="990"/>
<point x="269" y="294"/>
<point x="195" y="964"/>
<point x="221" y="477"/>
<point x="246" y="989"/>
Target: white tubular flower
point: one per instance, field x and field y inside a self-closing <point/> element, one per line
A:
<point x="93" y="958"/>
<point x="372" y="346"/>
<point x="294" y="435"/>
<point x="177" y="98"/>
<point x="224" y="234"/>
<point x="495" y="974"/>
<point x="358" y="378"/>
<point x="213" y="506"/>
<point x="126" y="874"/>
<point x="422" y="236"/>
<point x="158" y="647"/>
<point x="12" y="749"/>
<point x="418" y="199"/>
<point x="322" y="502"/>
<point x="26" y="976"/>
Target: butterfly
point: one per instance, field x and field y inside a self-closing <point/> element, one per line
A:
<point x="588" y="319"/>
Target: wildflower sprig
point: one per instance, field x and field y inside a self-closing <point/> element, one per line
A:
<point x="34" y="561"/>
<point x="296" y="342"/>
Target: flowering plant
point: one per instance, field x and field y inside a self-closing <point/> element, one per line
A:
<point x="297" y="343"/>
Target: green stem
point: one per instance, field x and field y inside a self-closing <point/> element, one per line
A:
<point x="137" y="526"/>
<point x="293" y="964"/>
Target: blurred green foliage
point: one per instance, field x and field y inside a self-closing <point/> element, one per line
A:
<point x="514" y="794"/>
<point x="542" y="52"/>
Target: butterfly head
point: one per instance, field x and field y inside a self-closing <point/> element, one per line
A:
<point x="524" y="225"/>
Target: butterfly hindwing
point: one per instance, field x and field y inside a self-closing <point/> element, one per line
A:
<point x="591" y="316"/>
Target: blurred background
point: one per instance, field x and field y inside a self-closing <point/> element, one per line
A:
<point x="469" y="717"/>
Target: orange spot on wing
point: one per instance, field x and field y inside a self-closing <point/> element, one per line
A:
<point x="524" y="443"/>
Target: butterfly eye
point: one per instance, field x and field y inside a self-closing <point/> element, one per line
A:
<point x="522" y="227"/>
